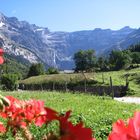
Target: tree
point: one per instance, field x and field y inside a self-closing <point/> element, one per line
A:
<point x="119" y="59"/>
<point x="85" y="60"/>
<point x="135" y="57"/>
<point x="36" y="69"/>
<point x="134" y="48"/>
<point x="9" y="81"/>
<point x="52" y="71"/>
<point x="102" y="63"/>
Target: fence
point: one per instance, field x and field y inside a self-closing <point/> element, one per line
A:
<point x="84" y="85"/>
<point x="114" y="91"/>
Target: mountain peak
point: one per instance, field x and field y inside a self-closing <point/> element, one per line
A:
<point x="126" y="28"/>
<point x="1" y="14"/>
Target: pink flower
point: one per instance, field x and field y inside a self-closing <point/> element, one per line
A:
<point x="68" y="131"/>
<point x="34" y="111"/>
<point x="129" y="131"/>
<point x="20" y="114"/>
<point x="2" y="128"/>
<point x="51" y="114"/>
<point x="1" y="58"/>
<point x="1" y="51"/>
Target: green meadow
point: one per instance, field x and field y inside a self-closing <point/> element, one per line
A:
<point x="98" y="78"/>
<point x="96" y="112"/>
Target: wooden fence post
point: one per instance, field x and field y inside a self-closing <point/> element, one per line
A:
<point x="111" y="86"/>
<point x="53" y="86"/>
<point x="41" y="87"/>
<point x="85" y="82"/>
<point x="127" y="82"/>
<point x="85" y="85"/>
<point x="66" y="88"/>
<point x="103" y="77"/>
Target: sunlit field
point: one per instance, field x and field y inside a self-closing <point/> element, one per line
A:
<point x="98" y="113"/>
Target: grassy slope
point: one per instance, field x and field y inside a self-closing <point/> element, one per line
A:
<point x="118" y="78"/>
<point x="15" y="64"/>
<point x="98" y="113"/>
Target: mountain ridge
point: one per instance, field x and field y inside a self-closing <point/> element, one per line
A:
<point x="56" y="49"/>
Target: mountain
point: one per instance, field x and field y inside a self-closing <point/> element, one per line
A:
<point x="56" y="49"/>
<point x="9" y="29"/>
<point x="132" y="38"/>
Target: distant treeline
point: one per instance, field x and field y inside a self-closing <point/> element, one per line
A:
<point x="134" y="48"/>
<point x="116" y="60"/>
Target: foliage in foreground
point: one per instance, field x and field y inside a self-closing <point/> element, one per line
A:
<point x="21" y="114"/>
<point x="126" y="131"/>
<point x="97" y="113"/>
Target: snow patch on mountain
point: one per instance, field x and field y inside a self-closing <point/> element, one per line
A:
<point x="12" y="48"/>
<point x="1" y="24"/>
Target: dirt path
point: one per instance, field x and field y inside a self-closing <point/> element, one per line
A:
<point x="135" y="100"/>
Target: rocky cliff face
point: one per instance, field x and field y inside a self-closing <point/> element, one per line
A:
<point x="56" y="49"/>
<point x="8" y="29"/>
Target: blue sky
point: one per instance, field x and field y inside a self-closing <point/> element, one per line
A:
<point x="74" y="15"/>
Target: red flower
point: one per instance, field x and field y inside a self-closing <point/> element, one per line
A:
<point x="12" y="108"/>
<point x="2" y="128"/>
<point x="1" y="58"/>
<point x="68" y="131"/>
<point x="51" y="114"/>
<point x="34" y="111"/>
<point x="22" y="113"/>
<point x="1" y="51"/>
<point x="130" y="131"/>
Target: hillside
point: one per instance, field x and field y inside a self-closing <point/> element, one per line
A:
<point x="15" y="64"/>
<point x="118" y="78"/>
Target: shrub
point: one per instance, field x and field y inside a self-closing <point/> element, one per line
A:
<point x="9" y="81"/>
<point x="52" y="71"/>
<point x="36" y="69"/>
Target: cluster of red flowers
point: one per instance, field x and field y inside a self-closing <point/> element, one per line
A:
<point x="1" y="58"/>
<point x="126" y="131"/>
<point x="20" y="114"/>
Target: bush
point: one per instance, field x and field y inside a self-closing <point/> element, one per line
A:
<point x="9" y="81"/>
<point x="52" y="71"/>
<point x="36" y="69"/>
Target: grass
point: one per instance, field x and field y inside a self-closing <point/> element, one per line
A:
<point x="98" y="113"/>
<point x="55" y="78"/>
<point x="118" y="78"/>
